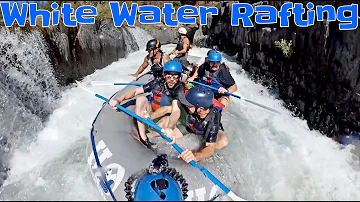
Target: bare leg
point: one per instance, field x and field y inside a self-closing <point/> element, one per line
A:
<point x="142" y="104"/>
<point x="221" y="141"/>
<point x="162" y="123"/>
<point x="225" y="100"/>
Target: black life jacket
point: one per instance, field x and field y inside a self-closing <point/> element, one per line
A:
<point x="212" y="79"/>
<point x="156" y="68"/>
<point x="199" y="126"/>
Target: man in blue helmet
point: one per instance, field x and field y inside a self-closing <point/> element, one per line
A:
<point x="164" y="92"/>
<point x="216" y="74"/>
<point x="203" y="62"/>
<point x="202" y="118"/>
<point x="157" y="183"/>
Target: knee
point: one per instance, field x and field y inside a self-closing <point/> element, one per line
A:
<point x="141" y="100"/>
<point x="224" y="141"/>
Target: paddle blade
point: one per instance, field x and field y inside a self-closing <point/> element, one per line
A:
<point x="234" y="197"/>
<point x="101" y="83"/>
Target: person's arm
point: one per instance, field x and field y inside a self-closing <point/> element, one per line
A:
<point x="141" y="68"/>
<point x="173" y="52"/>
<point x="206" y="152"/>
<point x="227" y="79"/>
<point x="211" y="134"/>
<point x="166" y="58"/>
<point x="130" y="94"/>
<point x="191" y="79"/>
<point x="232" y="88"/>
<point x="160" y="112"/>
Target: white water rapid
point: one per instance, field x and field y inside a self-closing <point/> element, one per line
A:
<point x="271" y="157"/>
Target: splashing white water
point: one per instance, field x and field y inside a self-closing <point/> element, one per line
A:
<point x="141" y="36"/>
<point x="271" y="157"/>
<point x="28" y="88"/>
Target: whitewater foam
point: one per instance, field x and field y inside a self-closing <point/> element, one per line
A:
<point x="270" y="157"/>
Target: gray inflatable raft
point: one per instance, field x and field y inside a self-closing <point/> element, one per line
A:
<point x="115" y="151"/>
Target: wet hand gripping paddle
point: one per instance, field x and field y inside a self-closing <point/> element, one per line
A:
<point x="161" y="132"/>
<point x="241" y="98"/>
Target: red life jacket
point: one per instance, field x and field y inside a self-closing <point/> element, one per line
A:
<point x="218" y="105"/>
<point x="159" y="99"/>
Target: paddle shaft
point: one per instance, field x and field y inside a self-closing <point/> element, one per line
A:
<point x="130" y="84"/>
<point x="227" y="93"/>
<point x="160" y="130"/>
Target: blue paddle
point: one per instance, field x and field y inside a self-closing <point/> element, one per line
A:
<point x="161" y="132"/>
<point x="237" y="96"/>
<point x="102" y="83"/>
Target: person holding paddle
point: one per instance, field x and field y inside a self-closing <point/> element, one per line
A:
<point x="163" y="90"/>
<point x="202" y="118"/>
<point x="216" y="74"/>
<point x="156" y="59"/>
<point x="181" y="50"/>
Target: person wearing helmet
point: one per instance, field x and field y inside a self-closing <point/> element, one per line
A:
<point x="157" y="183"/>
<point x="163" y="91"/>
<point x="202" y="63"/>
<point x="182" y="48"/>
<point x="217" y="74"/>
<point x="202" y="118"/>
<point x="155" y="58"/>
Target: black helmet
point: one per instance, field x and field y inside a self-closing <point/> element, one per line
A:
<point x="198" y="96"/>
<point x="152" y="44"/>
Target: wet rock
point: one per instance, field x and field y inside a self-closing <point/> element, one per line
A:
<point x="78" y="51"/>
<point x="165" y="34"/>
<point x="321" y="77"/>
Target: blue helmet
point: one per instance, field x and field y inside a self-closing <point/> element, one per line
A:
<point x="159" y="187"/>
<point x="173" y="66"/>
<point x="214" y="56"/>
<point x="198" y="96"/>
<point x="212" y="50"/>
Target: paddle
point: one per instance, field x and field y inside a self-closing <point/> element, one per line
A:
<point x="237" y="96"/>
<point x="104" y="83"/>
<point x="160" y="130"/>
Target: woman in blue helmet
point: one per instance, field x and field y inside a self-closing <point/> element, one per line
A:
<point x="202" y="118"/>
<point x="163" y="90"/>
<point x="157" y="183"/>
<point x="216" y="74"/>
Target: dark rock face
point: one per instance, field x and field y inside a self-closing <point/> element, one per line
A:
<point x="169" y="35"/>
<point x="164" y="34"/>
<point x="320" y="81"/>
<point x="79" y="51"/>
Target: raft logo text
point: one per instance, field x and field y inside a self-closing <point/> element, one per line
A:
<point x="347" y="15"/>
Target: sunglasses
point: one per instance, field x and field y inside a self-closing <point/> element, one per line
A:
<point x="174" y="76"/>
